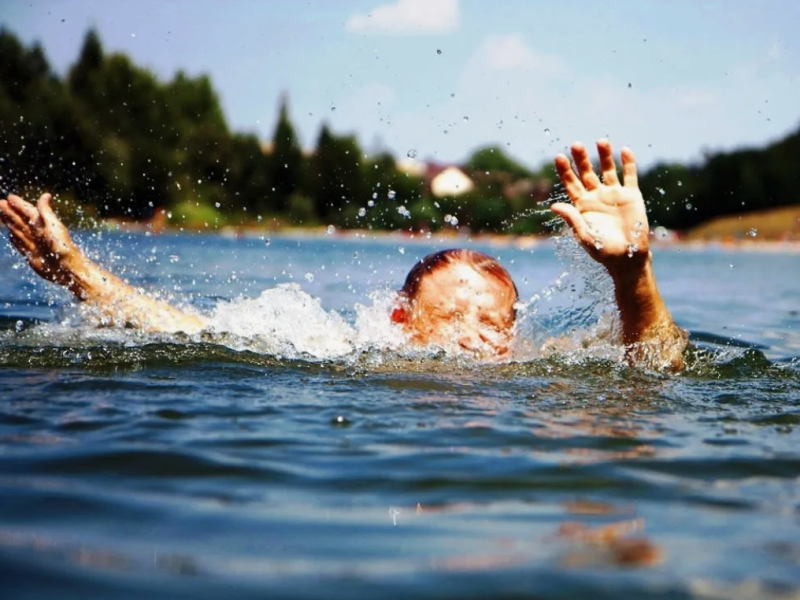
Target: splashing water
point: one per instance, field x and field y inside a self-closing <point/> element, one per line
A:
<point x="286" y="321"/>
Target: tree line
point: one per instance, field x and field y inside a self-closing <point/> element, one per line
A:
<point x="112" y="140"/>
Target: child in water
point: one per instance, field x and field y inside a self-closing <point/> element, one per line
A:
<point x="453" y="297"/>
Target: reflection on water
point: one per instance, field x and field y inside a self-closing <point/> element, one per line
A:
<point x="301" y="451"/>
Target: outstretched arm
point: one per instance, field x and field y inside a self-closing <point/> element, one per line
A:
<point x="610" y="221"/>
<point x="46" y="244"/>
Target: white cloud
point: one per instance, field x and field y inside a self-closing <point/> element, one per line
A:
<point x="408" y="17"/>
<point x="511" y="52"/>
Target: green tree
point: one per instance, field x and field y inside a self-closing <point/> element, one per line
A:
<point x="335" y="178"/>
<point x="82" y="78"/>
<point x="493" y="159"/>
<point x="285" y="159"/>
<point x="248" y="180"/>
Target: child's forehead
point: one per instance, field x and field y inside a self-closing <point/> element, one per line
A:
<point x="461" y="280"/>
<point x="457" y="273"/>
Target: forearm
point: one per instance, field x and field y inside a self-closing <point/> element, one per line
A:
<point x="119" y="304"/>
<point x="650" y="335"/>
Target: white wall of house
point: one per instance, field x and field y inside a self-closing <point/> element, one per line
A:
<point x="451" y="182"/>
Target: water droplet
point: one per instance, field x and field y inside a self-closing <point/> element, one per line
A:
<point x="18" y="326"/>
<point x="547" y="131"/>
<point x="680" y="183"/>
<point x="598" y="243"/>
<point x="452" y="219"/>
<point x="331" y="230"/>
<point x="217" y="204"/>
<point x="340" y="421"/>
<point x="333" y="108"/>
<point x="753" y="232"/>
<point x="466" y="118"/>
<point x="401" y="250"/>
<point x="371" y="203"/>
<point x="688" y="206"/>
<point x="632" y="249"/>
<point x="661" y="191"/>
<point x="374" y="195"/>
<point x="404" y="211"/>
<point x="438" y="51"/>
<point x="411" y="153"/>
<point x="309" y="277"/>
<point x="362" y="212"/>
<point x="391" y="194"/>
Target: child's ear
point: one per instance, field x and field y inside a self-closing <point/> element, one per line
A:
<point x="399" y="315"/>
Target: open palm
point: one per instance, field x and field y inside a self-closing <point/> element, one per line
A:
<point x="608" y="217"/>
<point x="39" y="236"/>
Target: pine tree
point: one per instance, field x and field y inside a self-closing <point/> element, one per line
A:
<point x="286" y="159"/>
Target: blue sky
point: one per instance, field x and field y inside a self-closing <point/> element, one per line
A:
<point x="670" y="79"/>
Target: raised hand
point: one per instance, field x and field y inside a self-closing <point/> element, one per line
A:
<point x="41" y="238"/>
<point x="44" y="241"/>
<point x="610" y="221"/>
<point x="608" y="217"/>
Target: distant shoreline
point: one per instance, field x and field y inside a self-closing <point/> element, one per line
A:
<point x="520" y="242"/>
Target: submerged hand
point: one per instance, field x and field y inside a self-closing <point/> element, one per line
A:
<point x="41" y="238"/>
<point x="608" y="218"/>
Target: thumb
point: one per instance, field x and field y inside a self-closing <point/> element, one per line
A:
<point x="46" y="211"/>
<point x="44" y="206"/>
<point x="574" y="219"/>
<point x="53" y="228"/>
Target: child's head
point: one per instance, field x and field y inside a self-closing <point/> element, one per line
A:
<point x="459" y="297"/>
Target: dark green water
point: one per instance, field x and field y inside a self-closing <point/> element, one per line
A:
<point x="326" y="462"/>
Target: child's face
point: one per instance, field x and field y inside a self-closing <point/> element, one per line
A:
<point x="457" y="306"/>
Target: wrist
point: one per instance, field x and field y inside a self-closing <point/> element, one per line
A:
<point x="632" y="268"/>
<point x="85" y="278"/>
<point x="642" y="310"/>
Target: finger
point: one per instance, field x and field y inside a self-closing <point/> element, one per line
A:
<point x="23" y="208"/>
<point x="585" y="169"/>
<point x="629" y="175"/>
<point x="569" y="179"/>
<point x="18" y="231"/>
<point x="23" y="244"/>
<point x="14" y="220"/>
<point x="575" y="220"/>
<point x="607" y="166"/>
<point x="48" y="214"/>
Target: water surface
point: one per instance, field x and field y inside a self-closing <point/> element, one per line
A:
<point x="332" y="461"/>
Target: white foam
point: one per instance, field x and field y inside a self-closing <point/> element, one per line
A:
<point x="284" y="321"/>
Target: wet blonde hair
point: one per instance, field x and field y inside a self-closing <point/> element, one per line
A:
<point x="482" y="263"/>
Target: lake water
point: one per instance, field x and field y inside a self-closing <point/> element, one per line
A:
<point x="302" y="451"/>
